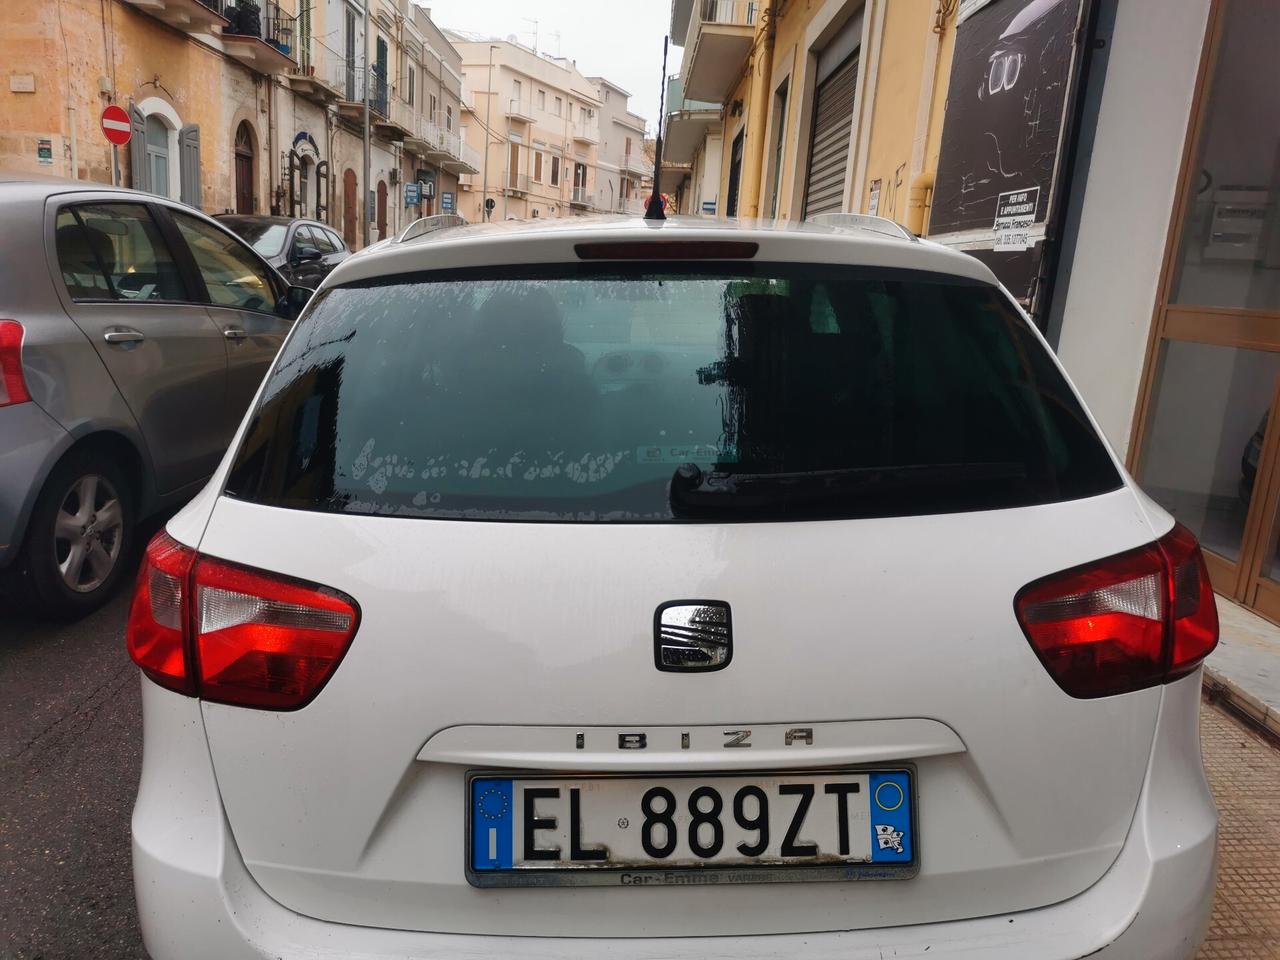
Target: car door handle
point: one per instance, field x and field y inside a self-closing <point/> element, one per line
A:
<point x="234" y="333"/>
<point x="123" y="335"/>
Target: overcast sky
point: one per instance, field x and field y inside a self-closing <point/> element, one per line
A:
<point x="617" y="39"/>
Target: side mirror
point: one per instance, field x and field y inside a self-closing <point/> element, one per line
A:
<point x="290" y="306"/>
<point x="305" y="255"/>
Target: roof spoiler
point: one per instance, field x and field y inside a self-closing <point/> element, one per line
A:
<point x="863" y="221"/>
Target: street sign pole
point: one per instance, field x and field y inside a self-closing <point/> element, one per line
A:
<point x="115" y="165"/>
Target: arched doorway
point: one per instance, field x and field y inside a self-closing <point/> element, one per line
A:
<point x="244" y="168"/>
<point x="382" y="210"/>
<point x="349" y="199"/>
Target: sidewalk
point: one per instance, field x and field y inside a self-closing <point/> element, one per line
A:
<point x="1244" y="671"/>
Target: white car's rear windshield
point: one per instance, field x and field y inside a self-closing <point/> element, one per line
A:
<point x="665" y="393"/>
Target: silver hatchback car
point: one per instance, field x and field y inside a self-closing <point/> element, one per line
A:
<point x="133" y="334"/>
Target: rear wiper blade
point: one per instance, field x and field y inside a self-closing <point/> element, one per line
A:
<point x="694" y="492"/>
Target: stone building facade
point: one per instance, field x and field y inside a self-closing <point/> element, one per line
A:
<point x="250" y="106"/>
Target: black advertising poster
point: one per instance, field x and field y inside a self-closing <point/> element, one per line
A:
<point x="1002" y="134"/>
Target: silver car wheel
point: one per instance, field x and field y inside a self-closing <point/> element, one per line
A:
<point x="88" y="533"/>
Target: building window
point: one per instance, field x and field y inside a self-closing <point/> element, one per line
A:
<point x="542" y="99"/>
<point x="433" y="104"/>
<point x="517" y="90"/>
<point x="448" y="117"/>
<point x="559" y="106"/>
<point x="537" y="167"/>
<point x="164" y="153"/>
<point x="412" y="85"/>
<point x="555" y="171"/>
<point x="158" y="155"/>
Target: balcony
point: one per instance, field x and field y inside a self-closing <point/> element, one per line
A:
<point x="719" y="39"/>
<point x="582" y="197"/>
<point x="688" y="124"/>
<point x="637" y="164"/>
<point x="521" y="110"/>
<point x="189" y="16"/>
<point x="433" y="139"/>
<point x="261" y="38"/>
<point x="587" y="131"/>
<point x="348" y="80"/>
<point x="321" y="74"/>
<point x="391" y="118"/>
<point x="515" y="183"/>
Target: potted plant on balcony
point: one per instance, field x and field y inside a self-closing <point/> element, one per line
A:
<point x="246" y="18"/>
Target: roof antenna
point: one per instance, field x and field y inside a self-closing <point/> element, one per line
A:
<point x="654" y="210"/>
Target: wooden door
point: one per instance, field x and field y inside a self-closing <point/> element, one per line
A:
<point x="382" y="210"/>
<point x="349" y="207"/>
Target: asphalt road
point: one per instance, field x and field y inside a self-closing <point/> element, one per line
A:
<point x="70" y="751"/>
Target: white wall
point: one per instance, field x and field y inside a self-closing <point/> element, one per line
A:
<point x="1142" y="125"/>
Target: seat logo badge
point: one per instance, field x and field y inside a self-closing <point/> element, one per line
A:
<point x="632" y="741"/>
<point x="692" y="636"/>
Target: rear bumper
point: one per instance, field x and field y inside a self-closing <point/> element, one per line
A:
<point x="196" y="900"/>
<point x="33" y="441"/>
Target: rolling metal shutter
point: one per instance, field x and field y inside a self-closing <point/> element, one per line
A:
<point x="829" y="152"/>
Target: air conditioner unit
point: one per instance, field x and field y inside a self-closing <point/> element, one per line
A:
<point x="394" y="177"/>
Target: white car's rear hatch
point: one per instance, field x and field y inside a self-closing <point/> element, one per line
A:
<point x="507" y="473"/>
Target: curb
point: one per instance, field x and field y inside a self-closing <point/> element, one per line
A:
<point x="1220" y="689"/>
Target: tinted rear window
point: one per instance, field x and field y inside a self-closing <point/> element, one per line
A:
<point x="652" y="393"/>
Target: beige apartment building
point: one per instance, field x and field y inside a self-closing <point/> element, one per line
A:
<point x="536" y="121"/>
<point x="249" y="107"/>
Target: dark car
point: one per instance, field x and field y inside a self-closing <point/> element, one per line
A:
<point x="304" y="251"/>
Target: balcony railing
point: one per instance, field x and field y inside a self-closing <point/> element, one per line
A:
<point x="740" y="13"/>
<point x="587" y="130"/>
<point x="470" y="156"/>
<point x="521" y="109"/>
<point x="519" y="182"/>
<point x="280" y="30"/>
<point x="322" y="71"/>
<point x="582" y="197"/>
<point x="378" y="92"/>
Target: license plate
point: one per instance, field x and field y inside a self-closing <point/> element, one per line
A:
<point x="679" y="829"/>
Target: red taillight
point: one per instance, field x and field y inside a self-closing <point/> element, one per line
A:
<point x="13" y="385"/>
<point x="263" y="641"/>
<point x="157" y="629"/>
<point x="1193" y="612"/>
<point x="235" y="635"/>
<point x="1127" y="622"/>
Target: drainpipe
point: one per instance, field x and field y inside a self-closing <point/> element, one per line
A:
<point x="75" y="147"/>
<point x="762" y="69"/>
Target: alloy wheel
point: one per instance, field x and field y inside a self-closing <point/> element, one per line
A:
<point x="88" y="533"/>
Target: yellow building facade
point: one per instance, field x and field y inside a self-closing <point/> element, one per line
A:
<point x="823" y="105"/>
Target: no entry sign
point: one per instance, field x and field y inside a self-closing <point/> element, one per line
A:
<point x="115" y="125"/>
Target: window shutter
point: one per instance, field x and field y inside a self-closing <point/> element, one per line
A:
<point x="189" y="152"/>
<point x="138" y="178"/>
<point x="294" y="163"/>
<point x="322" y="191"/>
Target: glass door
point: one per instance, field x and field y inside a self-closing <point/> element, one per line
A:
<point x="1208" y="432"/>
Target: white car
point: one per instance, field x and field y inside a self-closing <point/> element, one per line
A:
<point x="687" y="589"/>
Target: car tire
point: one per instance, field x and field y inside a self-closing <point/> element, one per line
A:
<point x="79" y="541"/>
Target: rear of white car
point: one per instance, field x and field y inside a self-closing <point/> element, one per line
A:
<point x="678" y="591"/>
